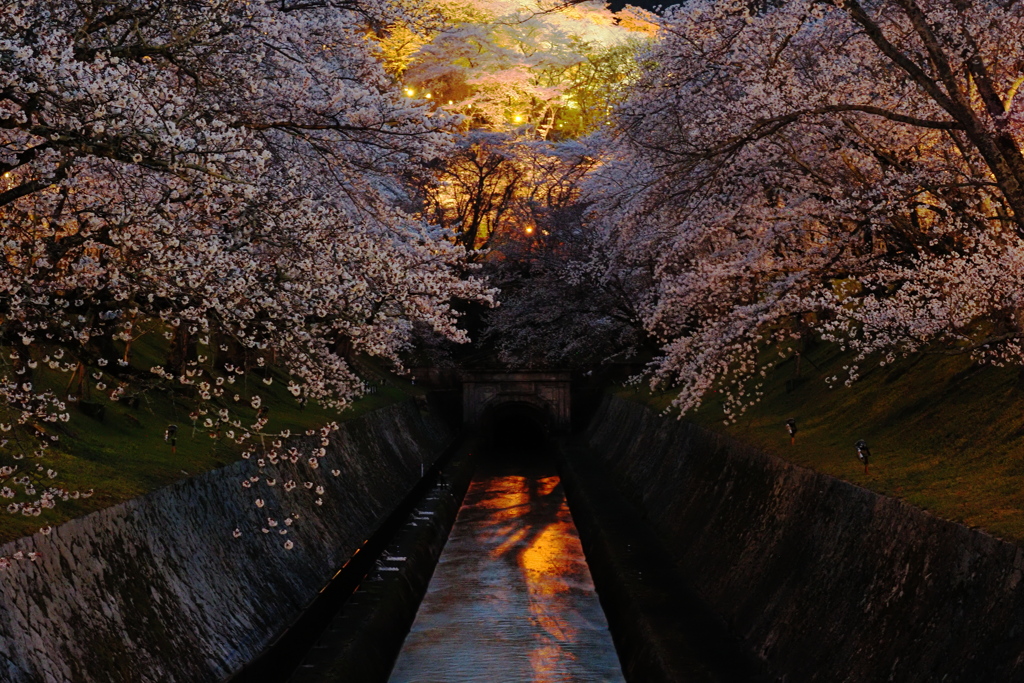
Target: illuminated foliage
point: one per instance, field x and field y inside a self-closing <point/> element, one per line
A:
<point x="852" y="169"/>
<point x="225" y="173"/>
<point x="509" y="65"/>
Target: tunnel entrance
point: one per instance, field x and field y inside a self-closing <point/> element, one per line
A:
<point x="516" y="426"/>
<point x="516" y="436"/>
<point x="547" y="391"/>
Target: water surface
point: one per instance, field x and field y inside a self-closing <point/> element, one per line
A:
<point x="511" y="599"/>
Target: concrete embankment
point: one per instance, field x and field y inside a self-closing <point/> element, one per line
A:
<point x="824" y="580"/>
<point x="157" y="588"/>
<point x="363" y="639"/>
<point x="663" y="632"/>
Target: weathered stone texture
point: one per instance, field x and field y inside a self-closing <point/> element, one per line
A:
<point x="547" y="391"/>
<point x="157" y="589"/>
<point x="826" y="580"/>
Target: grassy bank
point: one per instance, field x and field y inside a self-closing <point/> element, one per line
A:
<point x="122" y="453"/>
<point x="945" y="434"/>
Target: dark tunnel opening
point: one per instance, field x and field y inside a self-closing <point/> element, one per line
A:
<point x="516" y="434"/>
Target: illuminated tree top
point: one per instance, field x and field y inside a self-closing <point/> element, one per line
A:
<point x="514" y="65"/>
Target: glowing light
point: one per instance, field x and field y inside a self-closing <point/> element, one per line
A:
<point x="428" y="96"/>
<point x="518" y="118"/>
<point x="409" y="92"/>
<point x="529" y="230"/>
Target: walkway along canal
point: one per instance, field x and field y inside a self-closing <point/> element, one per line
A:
<point x="511" y="598"/>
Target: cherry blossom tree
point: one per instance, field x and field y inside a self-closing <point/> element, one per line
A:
<point x="474" y="189"/>
<point x="547" y="68"/>
<point x="847" y="168"/>
<point x="225" y="173"/>
<point x="494" y="188"/>
<point x="567" y="301"/>
<point x="529" y="78"/>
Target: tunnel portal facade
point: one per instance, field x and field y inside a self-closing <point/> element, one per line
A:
<point x="546" y="391"/>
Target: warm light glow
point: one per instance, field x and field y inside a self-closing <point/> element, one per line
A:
<point x="535" y="565"/>
<point x="518" y="118"/>
<point x="410" y="92"/>
<point x="528" y="230"/>
<point x="428" y="96"/>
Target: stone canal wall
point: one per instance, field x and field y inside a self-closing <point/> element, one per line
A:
<point x="825" y="580"/>
<point x="158" y="589"/>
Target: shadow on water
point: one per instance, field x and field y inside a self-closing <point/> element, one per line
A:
<point x="519" y="481"/>
<point x="512" y="598"/>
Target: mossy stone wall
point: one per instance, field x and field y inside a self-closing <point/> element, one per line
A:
<point x="158" y="589"/>
<point x="825" y="580"/>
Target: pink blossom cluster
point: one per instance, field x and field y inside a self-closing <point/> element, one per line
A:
<point x="226" y="173"/>
<point x="851" y="170"/>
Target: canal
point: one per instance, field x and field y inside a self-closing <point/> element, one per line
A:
<point x="511" y="598"/>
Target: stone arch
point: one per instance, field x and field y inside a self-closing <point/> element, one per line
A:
<point x="541" y="409"/>
<point x="546" y="392"/>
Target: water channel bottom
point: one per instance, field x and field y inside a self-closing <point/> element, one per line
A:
<point x="512" y="598"/>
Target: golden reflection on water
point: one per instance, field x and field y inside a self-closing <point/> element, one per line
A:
<point x="512" y="599"/>
<point x="544" y="572"/>
<point x="549" y="556"/>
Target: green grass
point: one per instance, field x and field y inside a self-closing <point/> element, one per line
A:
<point x="945" y="434"/>
<point x="124" y="454"/>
